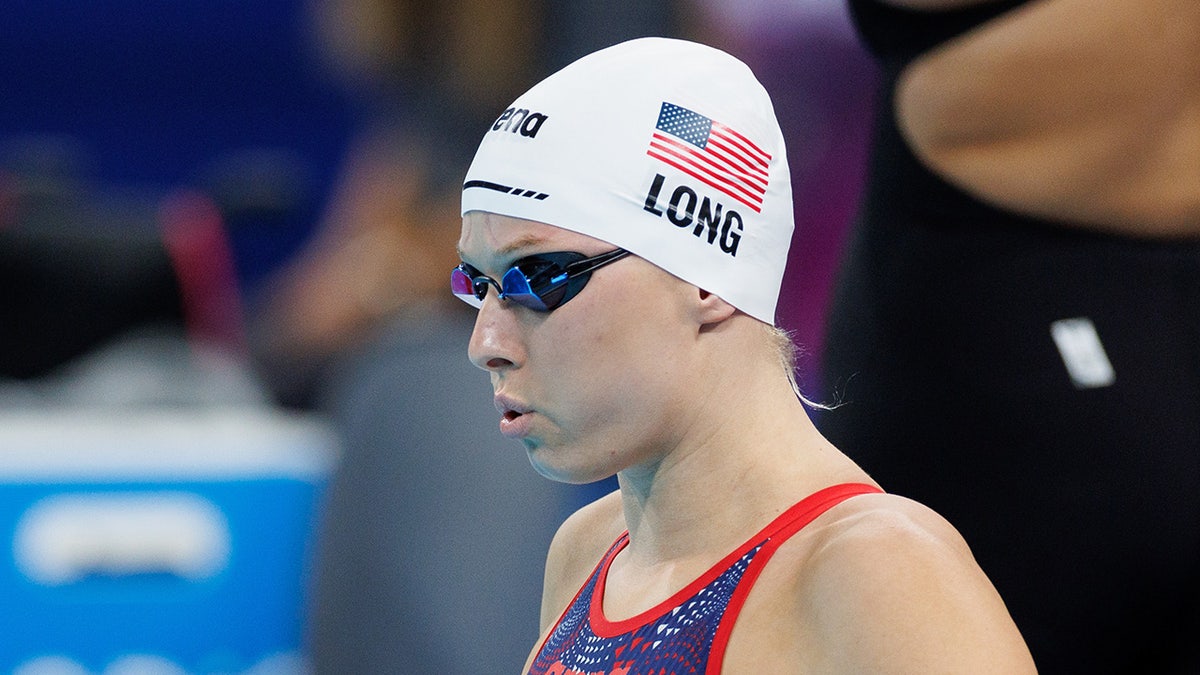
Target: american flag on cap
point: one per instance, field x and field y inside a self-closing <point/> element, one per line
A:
<point x="712" y="153"/>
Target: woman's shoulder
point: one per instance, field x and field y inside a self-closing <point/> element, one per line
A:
<point x="590" y="531"/>
<point x="897" y="584"/>
<point x="578" y="546"/>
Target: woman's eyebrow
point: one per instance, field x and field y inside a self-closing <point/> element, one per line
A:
<point x="524" y="242"/>
<point x="505" y="251"/>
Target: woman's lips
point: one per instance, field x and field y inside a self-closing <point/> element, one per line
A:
<point x="515" y="424"/>
<point x="514" y="417"/>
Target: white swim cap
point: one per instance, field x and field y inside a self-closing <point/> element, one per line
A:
<point x="667" y="148"/>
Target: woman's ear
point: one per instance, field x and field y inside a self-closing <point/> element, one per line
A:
<point x="711" y="309"/>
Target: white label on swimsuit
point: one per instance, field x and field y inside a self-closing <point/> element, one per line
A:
<point x="1082" y="353"/>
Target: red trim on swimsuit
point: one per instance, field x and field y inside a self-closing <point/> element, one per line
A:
<point x="768" y="540"/>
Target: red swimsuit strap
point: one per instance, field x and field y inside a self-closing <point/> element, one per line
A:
<point x="779" y="531"/>
<point x="769" y="538"/>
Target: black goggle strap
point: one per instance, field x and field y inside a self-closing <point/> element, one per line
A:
<point x="595" y="262"/>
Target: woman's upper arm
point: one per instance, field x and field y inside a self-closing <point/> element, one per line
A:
<point x="1076" y="111"/>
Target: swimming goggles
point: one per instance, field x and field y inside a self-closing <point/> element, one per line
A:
<point x="540" y="282"/>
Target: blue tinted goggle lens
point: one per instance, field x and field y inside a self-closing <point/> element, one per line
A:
<point x="540" y="282"/>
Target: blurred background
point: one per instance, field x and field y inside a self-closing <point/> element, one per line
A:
<point x="238" y="429"/>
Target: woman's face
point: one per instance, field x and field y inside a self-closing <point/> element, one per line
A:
<point x="599" y="383"/>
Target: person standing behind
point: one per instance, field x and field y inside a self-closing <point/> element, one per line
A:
<point x="1016" y="330"/>
<point x="625" y="227"/>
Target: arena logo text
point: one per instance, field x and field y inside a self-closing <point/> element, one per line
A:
<point x="520" y="121"/>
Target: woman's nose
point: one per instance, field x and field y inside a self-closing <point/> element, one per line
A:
<point x="495" y="341"/>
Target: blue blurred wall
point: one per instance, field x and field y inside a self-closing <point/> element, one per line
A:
<point x="169" y="93"/>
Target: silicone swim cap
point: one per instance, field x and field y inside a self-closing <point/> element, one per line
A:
<point x="664" y="147"/>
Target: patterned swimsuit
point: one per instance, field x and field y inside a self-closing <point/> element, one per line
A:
<point x="689" y="631"/>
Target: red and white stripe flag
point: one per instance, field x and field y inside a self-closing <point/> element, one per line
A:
<point x="712" y="153"/>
